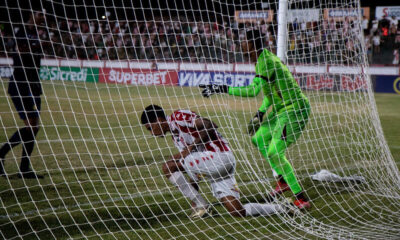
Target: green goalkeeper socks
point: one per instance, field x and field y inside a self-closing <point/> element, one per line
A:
<point x="275" y="154"/>
<point x="287" y="173"/>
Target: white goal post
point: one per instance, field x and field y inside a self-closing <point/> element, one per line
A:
<point x="103" y="62"/>
<point x="282" y="30"/>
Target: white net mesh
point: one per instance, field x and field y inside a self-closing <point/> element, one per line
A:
<point x="103" y="63"/>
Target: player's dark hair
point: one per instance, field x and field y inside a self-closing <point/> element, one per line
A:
<point x="254" y="36"/>
<point x="151" y="113"/>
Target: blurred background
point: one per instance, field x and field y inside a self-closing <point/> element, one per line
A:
<point x="169" y="31"/>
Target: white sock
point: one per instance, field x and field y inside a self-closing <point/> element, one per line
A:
<point x="274" y="174"/>
<point x="179" y="180"/>
<point x="255" y="209"/>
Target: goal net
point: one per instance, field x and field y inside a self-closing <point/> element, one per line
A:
<point x="103" y="62"/>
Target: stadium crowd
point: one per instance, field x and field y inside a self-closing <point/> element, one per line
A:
<point x="170" y="40"/>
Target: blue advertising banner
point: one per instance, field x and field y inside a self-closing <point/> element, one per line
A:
<point x="387" y="84"/>
<point x="192" y="79"/>
<point x="345" y="83"/>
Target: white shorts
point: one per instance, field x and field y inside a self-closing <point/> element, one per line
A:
<point x="217" y="167"/>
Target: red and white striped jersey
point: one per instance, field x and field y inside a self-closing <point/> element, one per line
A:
<point x="182" y="125"/>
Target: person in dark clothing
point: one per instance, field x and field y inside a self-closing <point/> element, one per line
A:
<point x="25" y="90"/>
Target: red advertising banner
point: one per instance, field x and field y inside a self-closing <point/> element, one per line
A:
<point x="340" y="83"/>
<point x="319" y="82"/>
<point x="349" y="83"/>
<point x="138" y="77"/>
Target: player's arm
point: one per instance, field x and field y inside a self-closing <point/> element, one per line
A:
<point x="205" y="133"/>
<point x="250" y="90"/>
<point x="263" y="74"/>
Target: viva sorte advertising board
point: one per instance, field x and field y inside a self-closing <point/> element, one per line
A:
<point x="74" y="74"/>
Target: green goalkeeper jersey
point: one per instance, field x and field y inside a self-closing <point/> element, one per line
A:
<point x="279" y="87"/>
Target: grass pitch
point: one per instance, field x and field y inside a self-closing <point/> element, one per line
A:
<point x="103" y="177"/>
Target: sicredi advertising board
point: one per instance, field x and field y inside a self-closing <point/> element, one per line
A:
<point x="387" y="12"/>
<point x="75" y="74"/>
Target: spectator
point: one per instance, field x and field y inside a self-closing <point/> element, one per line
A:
<point x="303" y="26"/>
<point x="375" y="25"/>
<point x="185" y="40"/>
<point x="397" y="41"/>
<point x="396" y="57"/>
<point x="332" y="25"/>
<point x="365" y="25"/>
<point x="368" y="47"/>
<point x="325" y="26"/>
<point x="393" y="29"/>
<point x="394" y="21"/>
<point x="376" y="40"/>
<point x="385" y="31"/>
<point x="346" y="26"/>
<point x="349" y="53"/>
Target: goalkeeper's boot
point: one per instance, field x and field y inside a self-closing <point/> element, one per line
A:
<point x="301" y="201"/>
<point x="198" y="213"/>
<point x="302" y="204"/>
<point x="280" y="188"/>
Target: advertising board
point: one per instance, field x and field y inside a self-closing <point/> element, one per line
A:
<point x="340" y="14"/>
<point x="75" y="74"/>
<point x="387" y="12"/>
<point x="227" y="78"/>
<point x="387" y="84"/>
<point x="254" y="16"/>
<point x="138" y="76"/>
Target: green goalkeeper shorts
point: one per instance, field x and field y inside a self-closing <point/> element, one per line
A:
<point x="286" y="125"/>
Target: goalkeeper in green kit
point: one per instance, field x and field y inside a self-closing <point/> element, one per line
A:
<point x="287" y="119"/>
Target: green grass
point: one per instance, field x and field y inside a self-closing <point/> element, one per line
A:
<point x="103" y="175"/>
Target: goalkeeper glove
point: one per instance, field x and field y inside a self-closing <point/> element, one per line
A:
<point x="255" y="123"/>
<point x="212" y="89"/>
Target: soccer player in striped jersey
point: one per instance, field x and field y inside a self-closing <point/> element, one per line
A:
<point x="290" y="110"/>
<point x="202" y="152"/>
